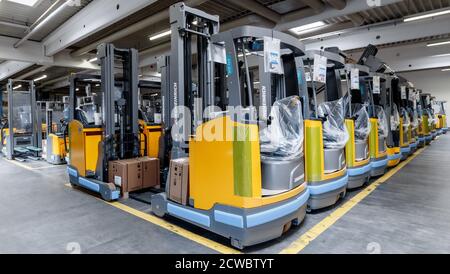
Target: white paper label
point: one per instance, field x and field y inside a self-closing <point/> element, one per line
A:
<point x="354" y="75"/>
<point x="219" y="54"/>
<point x="272" y="55"/>
<point x="404" y="93"/>
<point x="376" y="85"/>
<point x="118" y="180"/>
<point x="412" y="95"/>
<point x="320" y="69"/>
<point x="308" y="76"/>
<point x="158" y="118"/>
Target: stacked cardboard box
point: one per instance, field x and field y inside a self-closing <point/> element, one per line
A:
<point x="179" y="181"/>
<point x="134" y="174"/>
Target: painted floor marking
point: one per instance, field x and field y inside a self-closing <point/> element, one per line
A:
<point x="173" y="228"/>
<point x="304" y="240"/>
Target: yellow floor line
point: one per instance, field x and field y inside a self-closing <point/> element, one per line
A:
<point x="304" y="240"/>
<point x="19" y="164"/>
<point x="176" y="229"/>
<point x="172" y="228"/>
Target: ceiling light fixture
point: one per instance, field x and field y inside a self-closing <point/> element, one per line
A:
<point x="441" y="55"/>
<point x="447" y="69"/>
<point x="93" y="60"/>
<point x="40" y="78"/>
<point x="29" y="3"/>
<point x="308" y="28"/>
<point x="428" y="15"/>
<point x="160" y="35"/>
<point x="439" y="44"/>
<point x="17" y="87"/>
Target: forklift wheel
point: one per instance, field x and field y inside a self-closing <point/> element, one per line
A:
<point x="343" y="194"/>
<point x="287" y="227"/>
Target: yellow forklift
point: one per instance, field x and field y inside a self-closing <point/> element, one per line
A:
<point x="442" y="115"/>
<point x="401" y="95"/>
<point x="56" y="141"/>
<point x="21" y="132"/>
<point x="427" y="117"/>
<point x="391" y="107"/>
<point x="358" y="126"/>
<point x="439" y="114"/>
<point x="414" y="117"/>
<point x="326" y="167"/>
<point x="376" y="86"/>
<point x="105" y="128"/>
<point x="246" y="182"/>
<point x="150" y="117"/>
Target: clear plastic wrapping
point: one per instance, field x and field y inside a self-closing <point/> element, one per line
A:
<point x="362" y="122"/>
<point x="395" y="118"/>
<point x="431" y="120"/>
<point x="383" y="129"/>
<point x="406" y="119"/>
<point x="415" y="120"/>
<point x="283" y="138"/>
<point x="335" y="134"/>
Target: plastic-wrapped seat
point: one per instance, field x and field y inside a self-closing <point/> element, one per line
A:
<point x="362" y="122"/>
<point x="282" y="147"/>
<point x="395" y="118"/>
<point x="335" y="134"/>
<point x="383" y="129"/>
<point x="362" y="130"/>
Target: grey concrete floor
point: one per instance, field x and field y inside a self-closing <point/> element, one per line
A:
<point x="40" y="214"/>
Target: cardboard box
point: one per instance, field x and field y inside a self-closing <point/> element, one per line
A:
<point x="179" y="181"/>
<point x="151" y="176"/>
<point x="126" y="174"/>
<point x="135" y="175"/>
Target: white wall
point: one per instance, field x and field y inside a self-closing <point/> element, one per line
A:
<point x="435" y="81"/>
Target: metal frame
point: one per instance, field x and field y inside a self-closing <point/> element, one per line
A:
<point x="234" y="81"/>
<point x="180" y="76"/>
<point x="36" y="130"/>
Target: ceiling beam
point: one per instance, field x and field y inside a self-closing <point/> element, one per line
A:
<point x="356" y="19"/>
<point x="159" y="18"/>
<point x="337" y="4"/>
<point x="258" y="8"/>
<point x="316" y="5"/>
<point x="353" y="6"/>
<point x="411" y="57"/>
<point x="383" y="34"/>
<point x="93" y="18"/>
<point x="31" y="52"/>
<point x="9" y="68"/>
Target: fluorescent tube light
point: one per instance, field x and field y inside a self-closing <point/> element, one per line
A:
<point x="29" y="3"/>
<point x="428" y="15"/>
<point x="307" y="28"/>
<point x="160" y="35"/>
<point x="441" y="55"/>
<point x="40" y="78"/>
<point x="438" y="44"/>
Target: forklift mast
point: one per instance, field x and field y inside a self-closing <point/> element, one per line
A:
<point x="27" y="90"/>
<point x="235" y="76"/>
<point x="191" y="28"/>
<point x="120" y="104"/>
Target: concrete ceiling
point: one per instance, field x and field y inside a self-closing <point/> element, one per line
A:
<point x="70" y="38"/>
